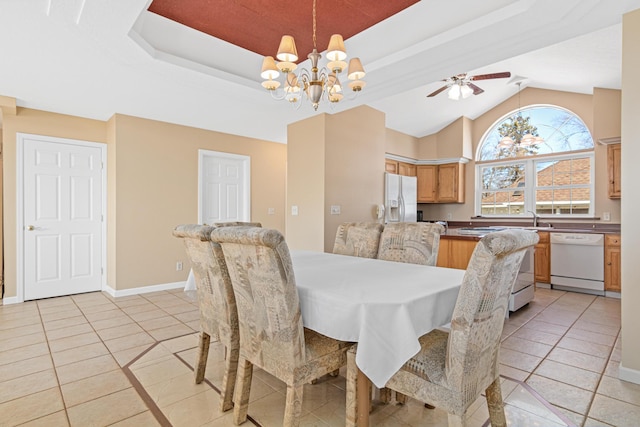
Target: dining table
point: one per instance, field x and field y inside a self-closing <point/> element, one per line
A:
<point x="383" y="306"/>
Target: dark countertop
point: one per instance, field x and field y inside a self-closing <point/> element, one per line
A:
<point x="453" y="231"/>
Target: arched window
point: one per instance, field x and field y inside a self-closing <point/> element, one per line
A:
<point x="537" y="159"/>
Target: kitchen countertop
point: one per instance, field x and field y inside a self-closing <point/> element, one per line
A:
<point x="455" y="233"/>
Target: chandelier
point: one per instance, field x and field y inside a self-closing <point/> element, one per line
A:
<point x="518" y="130"/>
<point x="316" y="84"/>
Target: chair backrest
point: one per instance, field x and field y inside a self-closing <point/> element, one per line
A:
<point x="479" y="313"/>
<point x="410" y="242"/>
<point x="237" y="223"/>
<point x="216" y="301"/>
<point x="359" y="239"/>
<point x="271" y="332"/>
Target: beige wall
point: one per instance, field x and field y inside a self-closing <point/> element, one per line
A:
<point x="156" y="165"/>
<point x="630" y="364"/>
<point x="333" y="160"/>
<point x="462" y="137"/>
<point x="152" y="184"/>
<point x="306" y="152"/>
<point x="401" y="144"/>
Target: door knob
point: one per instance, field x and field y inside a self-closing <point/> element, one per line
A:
<point x="30" y="227"/>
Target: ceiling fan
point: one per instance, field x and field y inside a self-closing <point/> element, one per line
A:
<point x="462" y="87"/>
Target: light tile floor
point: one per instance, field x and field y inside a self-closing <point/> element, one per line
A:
<point x="91" y="360"/>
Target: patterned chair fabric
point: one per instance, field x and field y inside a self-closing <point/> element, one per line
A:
<point x="359" y="239"/>
<point x="216" y="302"/>
<point x="271" y="333"/>
<point x="237" y="223"/>
<point x="410" y="242"/>
<point x="452" y="369"/>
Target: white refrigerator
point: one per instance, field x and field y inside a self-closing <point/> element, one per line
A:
<point x="400" y="198"/>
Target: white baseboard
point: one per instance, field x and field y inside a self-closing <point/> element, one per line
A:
<point x="627" y="374"/>
<point x="142" y="289"/>
<point x="10" y="300"/>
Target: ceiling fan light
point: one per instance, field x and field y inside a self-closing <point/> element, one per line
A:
<point x="287" y="51"/>
<point x="336" y="50"/>
<point x="454" y="92"/>
<point x="356" y="71"/>
<point x="466" y="91"/>
<point x="269" y="69"/>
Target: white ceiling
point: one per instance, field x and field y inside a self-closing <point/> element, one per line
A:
<point x="93" y="59"/>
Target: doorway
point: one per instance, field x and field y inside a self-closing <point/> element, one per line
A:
<point x="61" y="224"/>
<point x="224" y="190"/>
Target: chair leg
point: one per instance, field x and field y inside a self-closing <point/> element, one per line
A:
<point x="293" y="406"/>
<point x="229" y="379"/>
<point x="352" y="390"/>
<point x="495" y="404"/>
<point x="242" y="391"/>
<point x="385" y="395"/>
<point x="203" y="353"/>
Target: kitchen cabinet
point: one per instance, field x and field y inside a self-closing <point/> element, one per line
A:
<point x="542" y="258"/>
<point x="612" y="277"/>
<point x="455" y="253"/>
<point x="399" y="168"/>
<point x="613" y="169"/>
<point x="390" y="166"/>
<point x="441" y="183"/>
<point x="406" y="169"/>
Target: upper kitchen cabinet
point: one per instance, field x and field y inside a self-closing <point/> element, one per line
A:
<point x="613" y="168"/>
<point x="400" y="168"/>
<point x="390" y="166"/>
<point x="441" y="183"/>
<point x="406" y="169"/>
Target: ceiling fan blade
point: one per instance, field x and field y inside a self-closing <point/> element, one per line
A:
<point x="476" y="89"/>
<point x="491" y="76"/>
<point x="434" y="93"/>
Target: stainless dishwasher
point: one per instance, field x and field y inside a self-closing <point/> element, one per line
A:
<point x="577" y="262"/>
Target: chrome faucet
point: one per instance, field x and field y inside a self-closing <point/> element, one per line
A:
<point x="535" y="218"/>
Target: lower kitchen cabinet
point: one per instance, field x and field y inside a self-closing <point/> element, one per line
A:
<point x="455" y="253"/>
<point x="612" y="278"/>
<point x="542" y="258"/>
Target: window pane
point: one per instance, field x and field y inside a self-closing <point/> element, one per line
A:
<point x="544" y="202"/>
<point x="501" y="177"/>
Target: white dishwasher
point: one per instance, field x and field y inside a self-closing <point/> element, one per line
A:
<point x="577" y="262"/>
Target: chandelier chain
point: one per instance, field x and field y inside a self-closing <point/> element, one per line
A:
<point x="314" y="24"/>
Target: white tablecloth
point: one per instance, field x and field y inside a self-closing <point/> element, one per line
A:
<point x="384" y="306"/>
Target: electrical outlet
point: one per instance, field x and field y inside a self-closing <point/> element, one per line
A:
<point x="449" y="216"/>
<point x="294" y="210"/>
<point x="335" y="209"/>
<point x="606" y="216"/>
<point x="179" y="266"/>
<point x="271" y="211"/>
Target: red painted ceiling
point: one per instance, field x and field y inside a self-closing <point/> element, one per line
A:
<point x="258" y="25"/>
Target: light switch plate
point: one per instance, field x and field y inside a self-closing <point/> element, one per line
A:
<point x="271" y="211"/>
<point x="294" y="210"/>
<point x="335" y="209"/>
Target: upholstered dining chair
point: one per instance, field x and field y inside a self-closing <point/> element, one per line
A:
<point x="453" y="368"/>
<point x="271" y="333"/>
<point x="410" y="242"/>
<point x="216" y="303"/>
<point x="359" y="239"/>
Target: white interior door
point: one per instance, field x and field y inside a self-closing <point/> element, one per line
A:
<point x="62" y="217"/>
<point x="224" y="187"/>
